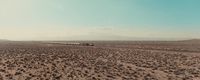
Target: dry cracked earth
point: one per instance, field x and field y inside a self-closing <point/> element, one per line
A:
<point x="104" y="61"/>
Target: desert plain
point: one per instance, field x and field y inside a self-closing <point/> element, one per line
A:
<point x="105" y="60"/>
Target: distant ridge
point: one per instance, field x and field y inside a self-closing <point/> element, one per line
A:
<point x="193" y="40"/>
<point x="2" y="40"/>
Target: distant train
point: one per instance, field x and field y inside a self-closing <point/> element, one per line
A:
<point x="73" y="43"/>
<point x="87" y="44"/>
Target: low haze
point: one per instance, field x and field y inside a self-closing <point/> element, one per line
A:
<point x="99" y="19"/>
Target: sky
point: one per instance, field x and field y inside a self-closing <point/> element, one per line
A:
<point x="99" y="19"/>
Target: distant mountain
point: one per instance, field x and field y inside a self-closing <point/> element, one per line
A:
<point x="2" y="40"/>
<point x="193" y="40"/>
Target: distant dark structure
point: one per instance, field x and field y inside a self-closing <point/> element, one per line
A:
<point x="87" y="44"/>
<point x="74" y="43"/>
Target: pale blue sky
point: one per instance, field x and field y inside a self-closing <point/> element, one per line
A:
<point x="99" y="19"/>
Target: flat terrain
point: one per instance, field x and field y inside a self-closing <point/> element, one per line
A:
<point x="106" y="60"/>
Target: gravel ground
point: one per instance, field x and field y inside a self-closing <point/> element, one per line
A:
<point x="104" y="61"/>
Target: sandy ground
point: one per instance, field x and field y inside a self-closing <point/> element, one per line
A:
<point x="104" y="61"/>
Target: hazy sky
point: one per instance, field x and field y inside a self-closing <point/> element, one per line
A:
<point x="99" y="19"/>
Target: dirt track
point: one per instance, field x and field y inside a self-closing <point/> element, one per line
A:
<point x="104" y="61"/>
